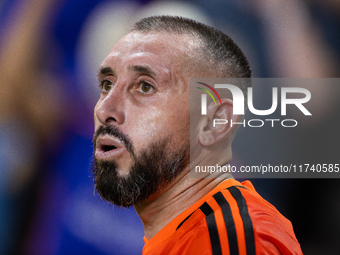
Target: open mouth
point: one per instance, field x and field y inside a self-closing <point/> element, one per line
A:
<point x="107" y="148"/>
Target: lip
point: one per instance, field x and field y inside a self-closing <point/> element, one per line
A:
<point x="108" y="148"/>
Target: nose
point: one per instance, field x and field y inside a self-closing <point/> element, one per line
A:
<point x="110" y="108"/>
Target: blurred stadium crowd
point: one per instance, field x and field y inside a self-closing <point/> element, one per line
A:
<point x="50" y="51"/>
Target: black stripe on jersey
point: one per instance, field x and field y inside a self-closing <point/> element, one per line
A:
<point x="229" y="222"/>
<point x="248" y="224"/>
<point x="212" y="228"/>
<point x="206" y="209"/>
<point x="180" y="224"/>
<point x="240" y="187"/>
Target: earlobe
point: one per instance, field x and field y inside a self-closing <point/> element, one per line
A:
<point x="217" y="124"/>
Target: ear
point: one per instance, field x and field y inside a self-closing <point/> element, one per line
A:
<point x="218" y="122"/>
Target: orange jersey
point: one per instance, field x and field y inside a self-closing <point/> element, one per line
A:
<point x="231" y="219"/>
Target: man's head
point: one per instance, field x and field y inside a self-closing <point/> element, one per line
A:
<point x="216" y="55"/>
<point x="142" y="118"/>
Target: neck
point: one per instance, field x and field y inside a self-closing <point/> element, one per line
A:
<point x="173" y="199"/>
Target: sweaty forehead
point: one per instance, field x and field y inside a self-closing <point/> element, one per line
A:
<point x="167" y="46"/>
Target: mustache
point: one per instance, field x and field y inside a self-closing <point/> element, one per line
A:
<point x="114" y="131"/>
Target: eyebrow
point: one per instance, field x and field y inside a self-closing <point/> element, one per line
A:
<point x="135" y="68"/>
<point x="105" y="70"/>
<point x="142" y="69"/>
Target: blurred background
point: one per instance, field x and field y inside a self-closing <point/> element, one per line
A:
<point x="50" y="51"/>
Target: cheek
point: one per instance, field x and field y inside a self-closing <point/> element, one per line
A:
<point x="179" y="116"/>
<point x="143" y="128"/>
<point x="161" y="124"/>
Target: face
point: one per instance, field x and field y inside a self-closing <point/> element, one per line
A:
<point x="142" y="118"/>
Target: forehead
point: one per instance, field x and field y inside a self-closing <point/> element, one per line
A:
<point x="162" y="47"/>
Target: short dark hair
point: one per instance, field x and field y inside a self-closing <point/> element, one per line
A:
<point x="218" y="50"/>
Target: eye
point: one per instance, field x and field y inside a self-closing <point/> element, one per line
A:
<point x="106" y="85"/>
<point x="145" y="87"/>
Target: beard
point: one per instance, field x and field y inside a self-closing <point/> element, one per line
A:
<point x="151" y="169"/>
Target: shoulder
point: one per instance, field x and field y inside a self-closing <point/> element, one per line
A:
<point x="237" y="220"/>
<point x="233" y="220"/>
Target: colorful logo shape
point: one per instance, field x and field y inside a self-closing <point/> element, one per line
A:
<point x="208" y="92"/>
